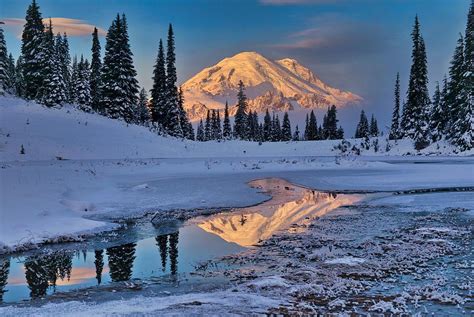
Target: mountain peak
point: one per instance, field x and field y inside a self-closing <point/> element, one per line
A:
<point x="281" y="85"/>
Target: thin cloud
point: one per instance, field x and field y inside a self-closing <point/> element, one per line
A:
<point x="73" y="27"/>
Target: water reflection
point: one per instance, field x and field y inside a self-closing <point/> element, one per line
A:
<point x="4" y="269"/>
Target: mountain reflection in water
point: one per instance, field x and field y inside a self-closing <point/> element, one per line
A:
<point x="290" y="205"/>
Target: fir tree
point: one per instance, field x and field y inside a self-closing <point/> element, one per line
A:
<point x="374" y="129"/>
<point x="340" y="133"/>
<point x="200" y="136"/>
<point x="286" y="128"/>
<point x="143" y="116"/>
<point x="455" y="99"/>
<point x="82" y="84"/>
<point x="415" y="114"/>
<point x="10" y="84"/>
<point x="218" y="126"/>
<point x="252" y="124"/>
<point x="296" y="134"/>
<point x="395" y="127"/>
<point x="172" y="123"/>
<point x="306" y="128"/>
<point x="312" y="128"/>
<point x="119" y="87"/>
<point x="208" y="127"/>
<point x="32" y="52"/>
<point x="20" y="87"/>
<point x="96" y="67"/>
<point x="330" y="124"/>
<point x="184" y="123"/>
<point x="437" y="116"/>
<point x="62" y="47"/>
<point x="3" y="63"/>
<point x="465" y="123"/>
<point x="158" y="92"/>
<point x="362" y="130"/>
<point x="227" y="129"/>
<point x="267" y="127"/>
<point x="276" y="129"/>
<point x="240" y="120"/>
<point x="53" y="89"/>
<point x="74" y="79"/>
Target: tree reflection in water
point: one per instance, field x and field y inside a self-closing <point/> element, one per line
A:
<point x="121" y="261"/>
<point x="99" y="265"/>
<point x="4" y="270"/>
<point x="168" y="244"/>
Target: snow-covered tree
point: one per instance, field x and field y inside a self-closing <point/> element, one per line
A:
<point x="330" y="124"/>
<point x="226" y="129"/>
<point x="276" y="129"/>
<point x="187" y="128"/>
<point x="3" y="62"/>
<point x="416" y="112"/>
<point x="53" y="89"/>
<point x="82" y="84"/>
<point x="10" y="85"/>
<point x="74" y="78"/>
<point x="296" y="134"/>
<point x="438" y="116"/>
<point x="64" y="59"/>
<point x="20" y="87"/>
<point x="119" y="87"/>
<point x="200" y="132"/>
<point x="267" y="127"/>
<point x="96" y="67"/>
<point x="172" y="123"/>
<point x="158" y="91"/>
<point x="32" y="52"/>
<point x="142" y="113"/>
<point x="208" y="127"/>
<point x="362" y="130"/>
<point x="240" y="120"/>
<point x="374" y="129"/>
<point x="311" y="131"/>
<point x="286" y="128"/>
<point x="395" y="127"/>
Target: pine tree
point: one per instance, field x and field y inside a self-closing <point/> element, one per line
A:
<point x="119" y="87"/>
<point x="158" y="92"/>
<point x="74" y="78"/>
<point x="200" y="136"/>
<point x="416" y="112"/>
<point x="53" y="89"/>
<point x="455" y="99"/>
<point x="32" y="52"/>
<point x="214" y="128"/>
<point x="143" y="114"/>
<point x="312" y="129"/>
<point x="437" y="116"/>
<point x="10" y="85"/>
<point x="362" y="130"/>
<point x="218" y="126"/>
<point x="3" y="63"/>
<point x="296" y="134"/>
<point x="395" y="127"/>
<point x="252" y="126"/>
<point x="374" y="129"/>
<point x="82" y="84"/>
<point x="227" y="129"/>
<point x="286" y="128"/>
<point x="20" y="87"/>
<point x="62" y="47"/>
<point x="267" y="127"/>
<point x="330" y="124"/>
<point x="96" y="67"/>
<point x="240" y="120"/>
<point x="340" y="133"/>
<point x="306" y="128"/>
<point x="464" y="126"/>
<point x="208" y="127"/>
<point x="172" y="122"/>
<point x="276" y="129"/>
<point x="186" y="127"/>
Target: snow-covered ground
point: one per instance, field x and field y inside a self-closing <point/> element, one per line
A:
<point x="80" y="171"/>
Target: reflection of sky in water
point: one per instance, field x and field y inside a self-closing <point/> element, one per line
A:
<point x="194" y="245"/>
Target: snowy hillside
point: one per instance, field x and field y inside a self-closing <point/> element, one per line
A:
<point x="275" y="85"/>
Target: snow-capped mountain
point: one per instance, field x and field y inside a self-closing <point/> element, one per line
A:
<point x="281" y="85"/>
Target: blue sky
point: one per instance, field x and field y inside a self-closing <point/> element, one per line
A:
<point x="357" y="45"/>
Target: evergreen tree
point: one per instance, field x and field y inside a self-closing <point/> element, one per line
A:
<point x="276" y="129"/>
<point x="3" y="63"/>
<point x="267" y="127"/>
<point x="186" y="127"/>
<point x="82" y="84"/>
<point x="62" y="47"/>
<point x="53" y="89"/>
<point x="437" y="116"/>
<point x="252" y="124"/>
<point x="415" y="114"/>
<point x="33" y="58"/>
<point x="208" y="127"/>
<point x="218" y="126"/>
<point x="96" y="67"/>
<point x="296" y="134"/>
<point x="340" y="133"/>
<point x="119" y="87"/>
<point x="306" y="128"/>
<point x="395" y="127"/>
<point x="374" y="129"/>
<point x="172" y="123"/>
<point x="200" y="136"/>
<point x="240" y="120"/>
<point x="74" y="79"/>
<point x="10" y="85"/>
<point x="214" y="125"/>
<point x="227" y="129"/>
<point x="465" y="119"/>
<point x="362" y="130"/>
<point x="158" y="92"/>
<point x="455" y="99"/>
<point x="20" y="87"/>
<point x="312" y="129"/>
<point x="143" y="116"/>
<point x="286" y="128"/>
<point x="330" y="124"/>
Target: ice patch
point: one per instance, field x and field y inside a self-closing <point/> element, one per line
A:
<point x="347" y="260"/>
